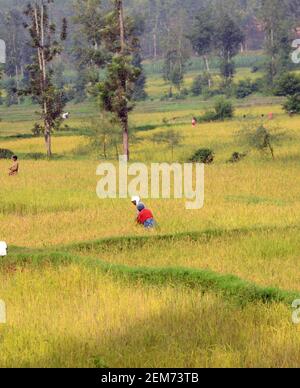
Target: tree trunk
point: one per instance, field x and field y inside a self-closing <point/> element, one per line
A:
<point x="154" y="45"/>
<point x="16" y="64"/>
<point x="104" y="148"/>
<point x="271" y="150"/>
<point x="208" y="71"/>
<point x="48" y="141"/>
<point x="117" y="151"/>
<point x="155" y="37"/>
<point x="18" y="84"/>
<point x="44" y="85"/>
<point x="273" y="66"/>
<point x="125" y="137"/>
<point x="124" y="118"/>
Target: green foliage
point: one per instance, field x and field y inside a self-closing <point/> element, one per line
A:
<point x="260" y="138"/>
<point x="287" y="85"/>
<point x="46" y="46"/>
<point x="208" y="117"/>
<point x="292" y="105"/>
<point x="224" y="109"/>
<point x="203" y="32"/>
<point x="245" y="88"/>
<point x="229" y="36"/>
<point x="173" y="70"/>
<point x="80" y="83"/>
<point x="114" y="97"/>
<point x="176" y="52"/>
<point x="203" y="155"/>
<point x="88" y="51"/>
<point x="11" y="92"/>
<point x="200" y="84"/>
<point x="237" y="157"/>
<point x="197" y="85"/>
<point x="277" y="19"/>
<point x="139" y="93"/>
<point x="6" y="154"/>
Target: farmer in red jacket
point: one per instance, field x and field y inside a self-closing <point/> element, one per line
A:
<point x="145" y="217"/>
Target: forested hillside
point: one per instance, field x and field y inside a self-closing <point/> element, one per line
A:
<point x="159" y="15"/>
<point x="168" y="35"/>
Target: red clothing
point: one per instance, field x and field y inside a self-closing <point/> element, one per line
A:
<point x="144" y="215"/>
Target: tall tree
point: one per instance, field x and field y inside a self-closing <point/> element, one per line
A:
<point x="89" y="20"/>
<point x="116" y="91"/>
<point x="88" y="52"/>
<point x="176" y="50"/>
<point x="139" y="93"/>
<point x="277" y="24"/>
<point x="203" y="35"/>
<point x="229" y="37"/>
<point x="16" y="46"/>
<point x="46" y="47"/>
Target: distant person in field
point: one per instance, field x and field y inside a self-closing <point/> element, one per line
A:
<point x="145" y="217"/>
<point x="194" y="122"/>
<point x="14" y="169"/>
<point x="135" y="200"/>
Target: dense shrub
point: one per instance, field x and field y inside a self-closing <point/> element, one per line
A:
<point x="237" y="157"/>
<point x="287" y="85"/>
<point x="245" y="88"/>
<point x="196" y="88"/>
<point x="208" y="117"/>
<point x="292" y="105"/>
<point x="6" y="154"/>
<point x="224" y="109"/>
<point x="203" y="155"/>
<point x="200" y="84"/>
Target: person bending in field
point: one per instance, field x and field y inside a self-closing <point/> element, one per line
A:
<point x="145" y="216"/>
<point x="14" y="169"/>
<point x="135" y="200"/>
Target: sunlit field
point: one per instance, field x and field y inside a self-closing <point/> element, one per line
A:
<point x="248" y="228"/>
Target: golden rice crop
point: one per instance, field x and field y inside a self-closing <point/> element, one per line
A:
<point x="72" y="317"/>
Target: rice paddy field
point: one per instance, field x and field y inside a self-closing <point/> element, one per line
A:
<point x="85" y="287"/>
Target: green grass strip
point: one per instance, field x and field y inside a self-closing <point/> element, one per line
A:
<point x="131" y="242"/>
<point x="230" y="286"/>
